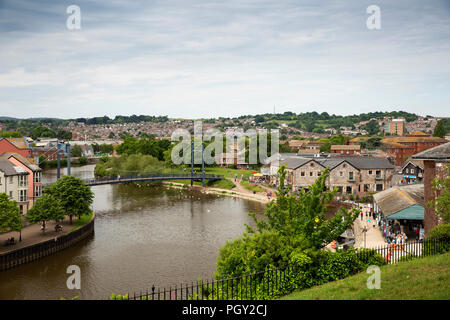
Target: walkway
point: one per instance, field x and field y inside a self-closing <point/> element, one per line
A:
<point x="33" y="234"/>
<point x="374" y="237"/>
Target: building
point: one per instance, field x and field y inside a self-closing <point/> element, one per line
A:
<point x="352" y="175"/>
<point x="14" y="182"/>
<point x="405" y="204"/>
<point x="345" y="149"/>
<point x="434" y="160"/>
<point x="412" y="171"/>
<point x="399" y="149"/>
<point x="15" y="145"/>
<point x="295" y="145"/>
<point x="397" y="127"/>
<point x="34" y="175"/>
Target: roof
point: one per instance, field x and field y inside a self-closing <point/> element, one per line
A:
<point x="18" y="142"/>
<point x="296" y="143"/>
<point x="418" y="133"/>
<point x="397" y="198"/>
<point x="331" y="162"/>
<point x="414" y="212"/>
<point x="23" y="160"/>
<point x="10" y="169"/>
<point x="345" y="147"/>
<point x="417" y="163"/>
<point x="406" y="139"/>
<point x="439" y="153"/>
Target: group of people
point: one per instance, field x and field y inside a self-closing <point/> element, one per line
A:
<point x="396" y="237"/>
<point x="394" y="231"/>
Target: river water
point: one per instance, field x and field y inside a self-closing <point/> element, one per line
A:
<point x="144" y="235"/>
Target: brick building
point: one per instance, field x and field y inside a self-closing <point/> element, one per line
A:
<point x="345" y="149"/>
<point x="435" y="160"/>
<point x="15" y="145"/>
<point x="399" y="149"/>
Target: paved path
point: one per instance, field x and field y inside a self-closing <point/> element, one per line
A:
<point x="33" y="234"/>
<point x="373" y="235"/>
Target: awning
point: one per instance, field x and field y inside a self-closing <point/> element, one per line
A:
<point x="414" y="212"/>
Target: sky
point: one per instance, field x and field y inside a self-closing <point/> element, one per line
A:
<point x="203" y="59"/>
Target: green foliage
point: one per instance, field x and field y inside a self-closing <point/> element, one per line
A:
<point x="76" y="151"/>
<point x="439" y="130"/>
<point x="45" y="209"/>
<point x="10" y="134"/>
<point x="73" y="195"/>
<point x="440" y="234"/>
<point x="126" y="165"/>
<point x="9" y="215"/>
<point x="293" y="225"/>
<point x="442" y="201"/>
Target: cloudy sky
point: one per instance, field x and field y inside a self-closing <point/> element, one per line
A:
<point x="203" y="58"/>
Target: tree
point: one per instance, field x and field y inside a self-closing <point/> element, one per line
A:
<point x="9" y="215"/>
<point x="74" y="196"/>
<point x="76" y="151"/>
<point x="45" y="209"/>
<point x="442" y="201"/>
<point x="439" y="130"/>
<point x="294" y="228"/>
<point x="305" y="214"/>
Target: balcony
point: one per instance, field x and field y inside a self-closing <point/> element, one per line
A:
<point x="379" y="177"/>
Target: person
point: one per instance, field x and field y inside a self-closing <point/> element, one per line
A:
<point x="361" y="216"/>
<point x="417" y="233"/>
<point x="373" y="223"/>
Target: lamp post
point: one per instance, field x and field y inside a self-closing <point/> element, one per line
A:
<point x="364" y="231"/>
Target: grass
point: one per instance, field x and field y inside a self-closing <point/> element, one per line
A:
<point x="85" y="218"/>
<point x="425" y="278"/>
<point x="248" y="186"/>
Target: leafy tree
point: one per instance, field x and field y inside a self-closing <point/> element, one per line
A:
<point x="442" y="201"/>
<point x="74" y="196"/>
<point x="305" y="214"/>
<point x="9" y="214"/>
<point x="45" y="209"/>
<point x="439" y="130"/>
<point x="76" y="151"/>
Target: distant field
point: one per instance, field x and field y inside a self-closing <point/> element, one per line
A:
<point x="426" y="278"/>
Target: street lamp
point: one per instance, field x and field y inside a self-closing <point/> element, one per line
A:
<point x="364" y="230"/>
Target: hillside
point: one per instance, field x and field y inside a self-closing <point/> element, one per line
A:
<point x="427" y="278"/>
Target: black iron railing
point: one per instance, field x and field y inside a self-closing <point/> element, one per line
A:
<point x="273" y="283"/>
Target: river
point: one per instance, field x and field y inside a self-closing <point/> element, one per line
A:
<point x="144" y="235"/>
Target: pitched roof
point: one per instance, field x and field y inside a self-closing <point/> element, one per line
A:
<point x="18" y="142"/>
<point x="398" y="198"/>
<point x="9" y="169"/>
<point x="23" y="160"/>
<point x="345" y="147"/>
<point x="294" y="162"/>
<point x="407" y="139"/>
<point x="439" y="153"/>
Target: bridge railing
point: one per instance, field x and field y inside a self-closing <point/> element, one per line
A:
<point x="157" y="176"/>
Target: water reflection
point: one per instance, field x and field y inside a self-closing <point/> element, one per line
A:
<point x="143" y="236"/>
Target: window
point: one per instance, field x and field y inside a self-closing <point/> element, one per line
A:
<point x="379" y="187"/>
<point x="302" y="173"/>
<point x="341" y="173"/>
<point x="37" y="176"/>
<point x="0" y="181"/>
<point x="412" y="171"/>
<point x="350" y="175"/>
<point x="311" y="174"/>
<point x="370" y="171"/>
<point x="11" y="180"/>
<point x="407" y="170"/>
<point x="319" y="173"/>
<point x="23" y="196"/>
<point x="10" y="194"/>
<point x="349" y="189"/>
<point x="38" y="191"/>
<point x="23" y="181"/>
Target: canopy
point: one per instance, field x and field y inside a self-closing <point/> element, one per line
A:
<point x="258" y="175"/>
<point x="414" y="212"/>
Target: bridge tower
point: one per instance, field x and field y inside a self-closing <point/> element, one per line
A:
<point x="193" y="150"/>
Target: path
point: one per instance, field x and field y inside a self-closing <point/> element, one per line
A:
<point x="373" y="235"/>
<point x="33" y="234"/>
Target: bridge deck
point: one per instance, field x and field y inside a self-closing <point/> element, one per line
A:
<point x="150" y="177"/>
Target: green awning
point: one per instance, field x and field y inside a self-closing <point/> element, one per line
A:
<point x="414" y="212"/>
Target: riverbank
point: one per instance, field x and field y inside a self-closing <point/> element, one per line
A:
<point x="37" y="243"/>
<point x="237" y="192"/>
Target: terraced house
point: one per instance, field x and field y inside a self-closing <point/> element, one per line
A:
<point x="14" y="182"/>
<point x="351" y="175"/>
